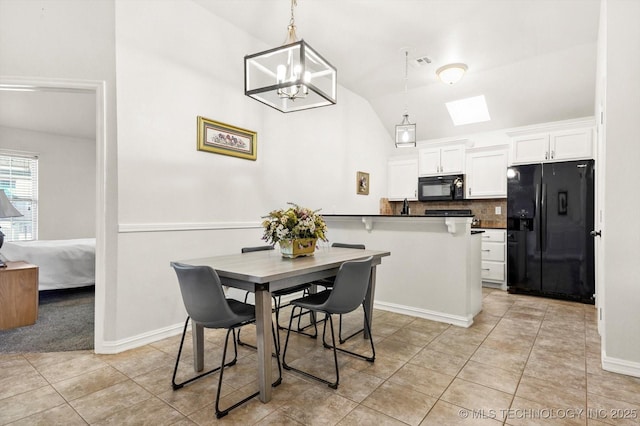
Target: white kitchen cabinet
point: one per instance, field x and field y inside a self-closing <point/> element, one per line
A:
<point x="402" y="179"/>
<point x="576" y="144"/>
<point x="494" y="255"/>
<point x="445" y="160"/>
<point x="486" y="173"/>
<point x="559" y="145"/>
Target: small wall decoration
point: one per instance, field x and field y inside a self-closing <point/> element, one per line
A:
<point x="225" y="139"/>
<point x="362" y="183"/>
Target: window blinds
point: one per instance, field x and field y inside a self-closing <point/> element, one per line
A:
<point x="19" y="180"/>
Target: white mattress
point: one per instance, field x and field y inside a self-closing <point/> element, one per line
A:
<point x="61" y="263"/>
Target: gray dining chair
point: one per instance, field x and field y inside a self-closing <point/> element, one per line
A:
<point x="348" y="292"/>
<point x="207" y="306"/>
<point x="328" y="283"/>
<point x="277" y="298"/>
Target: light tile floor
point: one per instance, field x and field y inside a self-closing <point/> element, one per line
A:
<point x="525" y="361"/>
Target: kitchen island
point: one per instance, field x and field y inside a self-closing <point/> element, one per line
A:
<point x="434" y="268"/>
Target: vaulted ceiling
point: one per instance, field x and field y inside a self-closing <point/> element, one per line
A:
<point x="534" y="60"/>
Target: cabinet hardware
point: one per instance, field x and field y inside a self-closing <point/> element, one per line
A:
<point x="596" y="233"/>
<point x="546" y="155"/>
<point x="485" y="250"/>
<point x="486" y="269"/>
<point x="553" y="154"/>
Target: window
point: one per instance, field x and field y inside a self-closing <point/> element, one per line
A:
<point x="19" y="180"/>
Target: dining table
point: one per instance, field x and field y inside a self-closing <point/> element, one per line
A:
<point x="262" y="272"/>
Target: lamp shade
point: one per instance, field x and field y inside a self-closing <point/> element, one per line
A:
<point x="290" y="78"/>
<point x="6" y="208"/>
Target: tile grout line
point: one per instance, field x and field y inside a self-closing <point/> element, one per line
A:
<point x="465" y="363"/>
<point x="513" y="397"/>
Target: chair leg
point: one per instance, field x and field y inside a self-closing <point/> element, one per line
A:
<point x="371" y="358"/>
<point x="349" y="336"/>
<point x="175" y="385"/>
<point x="241" y="343"/>
<point x="222" y="413"/>
<point x="333" y="385"/>
<point x="300" y="330"/>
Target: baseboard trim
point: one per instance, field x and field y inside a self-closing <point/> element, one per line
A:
<point x="456" y="320"/>
<point x="616" y="365"/>
<point x="117" y="346"/>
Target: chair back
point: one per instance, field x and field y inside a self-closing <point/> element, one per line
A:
<point x="257" y="248"/>
<point x="203" y="296"/>
<point x="350" y="287"/>
<point x="351" y="246"/>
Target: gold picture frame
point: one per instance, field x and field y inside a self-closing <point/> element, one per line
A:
<point x="362" y="183"/>
<point x="221" y="138"/>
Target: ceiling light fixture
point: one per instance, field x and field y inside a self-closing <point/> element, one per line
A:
<point x="451" y="73"/>
<point x="405" y="131"/>
<point x="291" y="77"/>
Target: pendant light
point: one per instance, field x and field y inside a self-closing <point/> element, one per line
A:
<point x="405" y="131"/>
<point x="291" y="77"/>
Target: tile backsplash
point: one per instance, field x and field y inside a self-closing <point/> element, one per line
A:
<point x="483" y="210"/>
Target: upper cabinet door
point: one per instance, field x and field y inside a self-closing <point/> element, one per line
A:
<point x="530" y="148"/>
<point x="429" y="162"/>
<point x="486" y="174"/>
<point x="445" y="160"/>
<point x="555" y="145"/>
<point x="576" y="144"/>
<point x="452" y="159"/>
<point x="402" y="180"/>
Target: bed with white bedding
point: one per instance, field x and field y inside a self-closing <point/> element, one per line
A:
<point x="61" y="263"/>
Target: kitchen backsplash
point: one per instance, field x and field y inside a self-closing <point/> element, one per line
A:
<point x="483" y="210"/>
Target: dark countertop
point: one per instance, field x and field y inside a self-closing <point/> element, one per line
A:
<point x="388" y="215"/>
<point x="475" y="231"/>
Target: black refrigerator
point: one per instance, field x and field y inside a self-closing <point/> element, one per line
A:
<point x="550" y="213"/>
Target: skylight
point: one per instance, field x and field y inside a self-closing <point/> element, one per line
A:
<point x="469" y="110"/>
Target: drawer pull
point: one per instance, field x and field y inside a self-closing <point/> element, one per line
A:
<point x="486" y="250"/>
<point x="486" y="269"/>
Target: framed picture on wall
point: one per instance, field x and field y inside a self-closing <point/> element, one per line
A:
<point x="362" y="183"/>
<point x="221" y="138"/>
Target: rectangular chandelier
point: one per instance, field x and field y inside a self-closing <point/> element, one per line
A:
<point x="405" y="133"/>
<point x="290" y="78"/>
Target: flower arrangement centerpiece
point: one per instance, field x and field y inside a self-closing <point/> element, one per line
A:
<point x="296" y="229"/>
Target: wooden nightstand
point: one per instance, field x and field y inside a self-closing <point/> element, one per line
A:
<point x="18" y="295"/>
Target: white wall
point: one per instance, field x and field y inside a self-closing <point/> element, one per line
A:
<point x="622" y="269"/>
<point x="67" y="181"/>
<point x="189" y="199"/>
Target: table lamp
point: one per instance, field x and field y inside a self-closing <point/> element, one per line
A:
<point x="6" y="210"/>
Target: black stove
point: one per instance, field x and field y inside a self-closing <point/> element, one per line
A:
<point x="446" y="213"/>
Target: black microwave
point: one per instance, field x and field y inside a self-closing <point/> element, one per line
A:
<point x="441" y="188"/>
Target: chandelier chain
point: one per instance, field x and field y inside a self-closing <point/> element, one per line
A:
<point x="294" y="3"/>
<point x="406" y="79"/>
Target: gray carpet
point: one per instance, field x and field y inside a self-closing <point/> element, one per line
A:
<point x="65" y="323"/>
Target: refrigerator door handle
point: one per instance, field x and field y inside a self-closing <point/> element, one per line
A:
<point x="543" y="218"/>
<point x="536" y="215"/>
